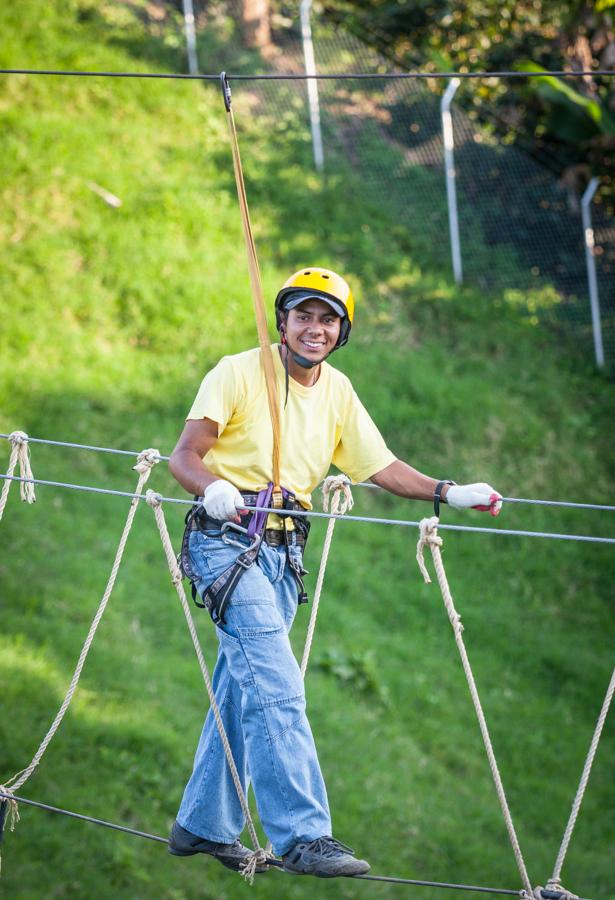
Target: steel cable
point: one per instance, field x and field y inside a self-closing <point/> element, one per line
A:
<point x="292" y="76"/>
<point x="562" y="503"/>
<point x="374" y="520"/>
<point x="275" y="863"/>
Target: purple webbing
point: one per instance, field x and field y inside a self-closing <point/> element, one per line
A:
<point x="257" y="521"/>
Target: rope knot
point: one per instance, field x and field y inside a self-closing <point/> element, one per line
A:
<point x="152" y="498"/>
<point x="18" y="437"/>
<point x="8" y="807"/>
<point x="11" y="810"/>
<point x="336" y="490"/>
<point x="256" y="860"/>
<point x="428" y="536"/>
<point x="20" y="453"/>
<point x="146" y="460"/>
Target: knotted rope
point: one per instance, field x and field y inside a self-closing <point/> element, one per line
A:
<point x="554" y="881"/>
<point x="429" y="537"/>
<point x="335" y="491"/>
<point x="20" y="453"/>
<point x="259" y="856"/>
<point x="145" y="462"/>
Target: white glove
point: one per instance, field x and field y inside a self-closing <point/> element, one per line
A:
<point x="474" y="496"/>
<point x="222" y="500"/>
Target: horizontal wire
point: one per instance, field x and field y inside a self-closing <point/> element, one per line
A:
<point x="293" y="76"/>
<point x="32" y="440"/>
<point x="275" y="863"/>
<point x="365" y="484"/>
<point x="562" y="503"/>
<point x="405" y="523"/>
<point x="438" y="884"/>
<point x="74" y="815"/>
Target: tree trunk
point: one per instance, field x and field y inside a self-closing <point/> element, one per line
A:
<point x="255" y="23"/>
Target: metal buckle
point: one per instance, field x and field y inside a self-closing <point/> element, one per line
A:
<point x="232" y="526"/>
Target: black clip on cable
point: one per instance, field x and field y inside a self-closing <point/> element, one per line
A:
<point x="226" y="91"/>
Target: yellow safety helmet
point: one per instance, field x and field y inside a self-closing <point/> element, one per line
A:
<point x="320" y="284"/>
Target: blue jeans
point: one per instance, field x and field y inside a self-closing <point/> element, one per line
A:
<point x="260" y="693"/>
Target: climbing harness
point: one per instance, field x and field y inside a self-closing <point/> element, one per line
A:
<point x="217" y="596"/>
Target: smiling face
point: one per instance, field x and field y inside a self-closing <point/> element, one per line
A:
<point x="312" y="329"/>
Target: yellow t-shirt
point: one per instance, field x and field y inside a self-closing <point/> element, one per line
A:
<point x="321" y="424"/>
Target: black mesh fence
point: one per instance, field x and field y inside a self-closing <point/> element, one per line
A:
<point x="520" y="228"/>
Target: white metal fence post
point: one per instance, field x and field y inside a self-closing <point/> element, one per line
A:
<point x="449" y="171"/>
<point x="193" y="63"/>
<point x="312" y="83"/>
<point x="588" y="235"/>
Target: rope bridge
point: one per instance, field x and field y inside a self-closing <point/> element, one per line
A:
<point x="336" y="492"/>
<point x="341" y="501"/>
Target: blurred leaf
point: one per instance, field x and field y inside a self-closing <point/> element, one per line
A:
<point x="575" y="117"/>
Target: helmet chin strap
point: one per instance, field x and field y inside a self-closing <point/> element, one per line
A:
<point x="302" y="361"/>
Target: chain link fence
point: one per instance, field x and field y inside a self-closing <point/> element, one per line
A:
<point x="520" y="225"/>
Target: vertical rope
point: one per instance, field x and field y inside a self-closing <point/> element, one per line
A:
<point x="145" y="461"/>
<point x="554" y="880"/>
<point x="20" y="453"/>
<point x="429" y="536"/>
<point x="341" y="502"/>
<point x="257" y="291"/>
<point x="259" y="856"/>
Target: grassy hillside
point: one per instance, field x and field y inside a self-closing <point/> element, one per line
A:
<point x="110" y="317"/>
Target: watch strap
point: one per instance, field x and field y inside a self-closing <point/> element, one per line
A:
<point x="437" y="496"/>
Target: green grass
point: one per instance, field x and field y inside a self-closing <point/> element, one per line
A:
<point x="110" y="317"/>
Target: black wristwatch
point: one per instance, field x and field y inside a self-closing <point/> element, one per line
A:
<point x="437" y="496"/>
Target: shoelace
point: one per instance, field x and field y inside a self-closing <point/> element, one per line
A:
<point x="329" y="846"/>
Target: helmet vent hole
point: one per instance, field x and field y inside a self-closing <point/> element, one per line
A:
<point x="324" y="276"/>
<point x="307" y="273"/>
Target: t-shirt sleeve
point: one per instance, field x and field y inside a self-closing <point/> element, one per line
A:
<point x="217" y="396"/>
<point x="361" y="451"/>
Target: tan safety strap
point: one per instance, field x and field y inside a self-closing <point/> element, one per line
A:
<point x="257" y="296"/>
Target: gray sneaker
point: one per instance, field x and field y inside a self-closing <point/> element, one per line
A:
<point x="233" y="856"/>
<point x="325" y="857"/>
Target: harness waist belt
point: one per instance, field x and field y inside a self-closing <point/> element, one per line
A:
<point x="217" y="596"/>
<point x="274" y="537"/>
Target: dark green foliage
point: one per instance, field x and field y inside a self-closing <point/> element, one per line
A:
<point x="501" y="35"/>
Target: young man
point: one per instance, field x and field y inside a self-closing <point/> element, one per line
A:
<point x="224" y="455"/>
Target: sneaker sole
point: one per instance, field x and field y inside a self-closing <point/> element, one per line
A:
<point x="325" y="874"/>
<point x="227" y="865"/>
